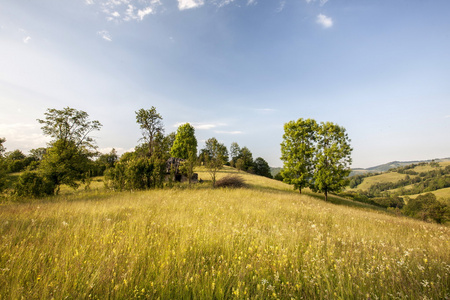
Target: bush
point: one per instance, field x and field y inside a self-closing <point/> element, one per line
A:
<point x="427" y="208"/>
<point x="230" y="181"/>
<point x="31" y="184"/>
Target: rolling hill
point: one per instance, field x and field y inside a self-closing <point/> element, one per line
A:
<point x="264" y="241"/>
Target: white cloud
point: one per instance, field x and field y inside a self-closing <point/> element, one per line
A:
<point x="188" y="4"/>
<point x="321" y="2"/>
<point x="89" y="2"/>
<point x="325" y="21"/>
<point x="128" y="10"/>
<point x="105" y="35"/>
<point x="281" y="7"/>
<point x="251" y="2"/>
<point x="229" y="132"/>
<point x="143" y="12"/>
<point x="26" y="39"/>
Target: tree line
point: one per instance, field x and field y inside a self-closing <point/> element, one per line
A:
<point x="71" y="157"/>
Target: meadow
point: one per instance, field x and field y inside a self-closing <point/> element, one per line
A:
<point x="264" y="241"/>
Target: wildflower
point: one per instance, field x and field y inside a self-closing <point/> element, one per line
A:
<point x="65" y="224"/>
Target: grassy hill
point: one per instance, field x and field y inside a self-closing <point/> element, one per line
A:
<point x="264" y="241"/>
<point x="394" y="164"/>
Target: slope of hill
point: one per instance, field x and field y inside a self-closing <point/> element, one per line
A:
<point x="264" y="241"/>
<point x="394" y="164"/>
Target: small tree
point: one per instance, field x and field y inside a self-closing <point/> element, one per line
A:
<point x="262" y="167"/>
<point x="67" y="159"/>
<point x="297" y="152"/>
<point x="217" y="156"/>
<point x="151" y="124"/>
<point x="332" y="159"/>
<point x="235" y="151"/>
<point x="2" y="165"/>
<point x="185" y="147"/>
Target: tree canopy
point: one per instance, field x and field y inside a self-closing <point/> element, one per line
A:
<point x="151" y="125"/>
<point x="69" y="125"/>
<point x="315" y="155"/>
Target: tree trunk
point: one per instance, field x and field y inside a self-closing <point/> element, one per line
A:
<point x="326" y="195"/>
<point x="300" y="190"/>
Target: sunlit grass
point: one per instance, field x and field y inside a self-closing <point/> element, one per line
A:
<point x="265" y="241"/>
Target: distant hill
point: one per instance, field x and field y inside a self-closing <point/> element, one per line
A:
<point x="394" y="164"/>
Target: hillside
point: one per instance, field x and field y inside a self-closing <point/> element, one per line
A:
<point x="264" y="241"/>
<point x="394" y="164"/>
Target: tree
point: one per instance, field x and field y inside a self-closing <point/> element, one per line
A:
<point x="332" y="159"/>
<point x="217" y="156"/>
<point x="2" y="147"/>
<point x="70" y="125"/>
<point x="247" y="160"/>
<point x="185" y="147"/>
<point x="65" y="163"/>
<point x="262" y="167"/>
<point x="151" y="124"/>
<point x="67" y="159"/>
<point x="235" y="151"/>
<point x="2" y="165"/>
<point x="185" y="142"/>
<point x="297" y="152"/>
<point x="427" y="207"/>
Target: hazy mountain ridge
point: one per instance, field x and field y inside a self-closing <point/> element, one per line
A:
<point x="394" y="164"/>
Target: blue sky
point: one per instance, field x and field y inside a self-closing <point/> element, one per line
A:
<point x="235" y="69"/>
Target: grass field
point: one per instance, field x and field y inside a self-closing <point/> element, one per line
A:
<point x="260" y="242"/>
<point x="384" y="177"/>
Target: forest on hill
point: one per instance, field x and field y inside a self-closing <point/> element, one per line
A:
<point x="424" y="185"/>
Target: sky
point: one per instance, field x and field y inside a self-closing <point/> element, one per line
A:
<point x="237" y="70"/>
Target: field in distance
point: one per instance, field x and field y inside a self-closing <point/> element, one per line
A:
<point x="263" y="241"/>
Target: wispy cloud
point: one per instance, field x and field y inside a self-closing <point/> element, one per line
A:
<point x="105" y="35"/>
<point x="127" y="10"/>
<point x="188" y="4"/>
<point x="89" y="2"/>
<point x="281" y="6"/>
<point x="325" y="21"/>
<point x="228" y="132"/>
<point x="321" y="2"/>
<point x="251" y="2"/>
<point x="26" y="39"/>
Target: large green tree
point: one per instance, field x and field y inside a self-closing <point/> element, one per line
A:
<point x="297" y="152"/>
<point x="70" y="126"/>
<point x="185" y="147"/>
<point x="67" y="159"/>
<point x="216" y="156"/>
<point x="150" y="122"/>
<point x="332" y="159"/>
<point x="315" y="155"/>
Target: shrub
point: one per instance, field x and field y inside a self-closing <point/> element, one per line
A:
<point x="230" y="181"/>
<point x="31" y="184"/>
<point x="427" y="208"/>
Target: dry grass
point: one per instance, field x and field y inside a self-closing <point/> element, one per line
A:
<point x="262" y="242"/>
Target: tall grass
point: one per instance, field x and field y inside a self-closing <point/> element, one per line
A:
<point x="257" y="243"/>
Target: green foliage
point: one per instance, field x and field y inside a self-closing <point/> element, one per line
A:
<point x="262" y="167"/>
<point x="185" y="147"/>
<point x="65" y="163"/>
<point x="427" y="208"/>
<point x="151" y="125"/>
<point x="215" y="155"/>
<point x="297" y="152"/>
<point x="332" y="159"/>
<point x="2" y="147"/>
<point x="235" y="151"/>
<point x="32" y="184"/>
<point x="70" y="126"/>
<point x="315" y="156"/>
<point x="185" y="142"/>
